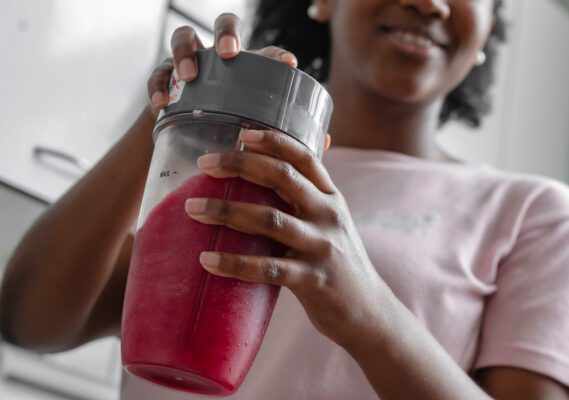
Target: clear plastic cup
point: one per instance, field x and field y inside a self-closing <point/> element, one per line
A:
<point x="183" y="327"/>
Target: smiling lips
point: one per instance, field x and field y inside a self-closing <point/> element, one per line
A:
<point x="413" y="36"/>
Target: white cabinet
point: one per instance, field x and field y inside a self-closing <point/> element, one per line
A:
<point x="97" y="361"/>
<point x="77" y="374"/>
<point x="76" y="74"/>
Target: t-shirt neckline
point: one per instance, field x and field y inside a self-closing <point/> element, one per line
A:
<point x="359" y="154"/>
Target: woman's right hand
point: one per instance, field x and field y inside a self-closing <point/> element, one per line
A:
<point x="185" y="44"/>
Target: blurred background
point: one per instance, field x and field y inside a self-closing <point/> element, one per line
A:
<point x="73" y="77"/>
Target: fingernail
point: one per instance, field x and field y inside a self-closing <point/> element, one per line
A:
<point x="158" y="99"/>
<point x="210" y="259"/>
<point x="249" y="135"/>
<point x="227" y="45"/>
<point x="289" y="58"/>
<point x="196" y="206"/>
<point x="187" y="69"/>
<point x="209" y="160"/>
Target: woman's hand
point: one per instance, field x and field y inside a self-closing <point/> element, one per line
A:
<point x="327" y="267"/>
<point x="185" y="44"/>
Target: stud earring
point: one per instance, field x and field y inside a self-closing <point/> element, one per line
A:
<point x="480" y="58"/>
<point x="313" y="12"/>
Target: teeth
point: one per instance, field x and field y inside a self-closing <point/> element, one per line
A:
<point x="414" y="39"/>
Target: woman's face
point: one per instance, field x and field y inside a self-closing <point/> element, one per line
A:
<point x="413" y="51"/>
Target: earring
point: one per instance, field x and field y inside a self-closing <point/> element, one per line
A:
<point x="313" y="12"/>
<point x="480" y="58"/>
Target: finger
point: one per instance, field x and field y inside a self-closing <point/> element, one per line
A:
<point x="266" y="171"/>
<point x="283" y="147"/>
<point x="254" y="219"/>
<point x="157" y="85"/>
<point x="279" y="54"/>
<point x="291" y="273"/>
<point x="327" y="142"/>
<point x="185" y="44"/>
<point x="227" y="28"/>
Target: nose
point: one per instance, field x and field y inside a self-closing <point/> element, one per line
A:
<point x="430" y="8"/>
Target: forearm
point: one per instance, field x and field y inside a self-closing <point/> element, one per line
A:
<point x="58" y="271"/>
<point x="401" y="359"/>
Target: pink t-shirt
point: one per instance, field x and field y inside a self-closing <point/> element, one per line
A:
<point x="480" y="257"/>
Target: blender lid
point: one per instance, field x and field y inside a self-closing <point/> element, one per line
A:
<point x="258" y="88"/>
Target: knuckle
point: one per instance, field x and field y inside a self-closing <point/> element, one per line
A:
<point x="159" y="77"/>
<point x="309" y="158"/>
<point x="184" y="32"/>
<point x="158" y="82"/>
<point x="184" y="41"/>
<point x="318" y="278"/>
<point x="279" y="139"/>
<point x="274" y="220"/>
<point x="239" y="263"/>
<point x="327" y="248"/>
<point x="336" y="217"/>
<point x="233" y="161"/>
<point x="287" y="172"/>
<point x="273" y="270"/>
<point x="165" y="68"/>
<point x="223" y="210"/>
<point x="182" y="49"/>
<point x="336" y="211"/>
<point x="341" y="202"/>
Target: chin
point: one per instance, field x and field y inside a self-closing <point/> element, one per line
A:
<point x="405" y="85"/>
<point x="403" y="89"/>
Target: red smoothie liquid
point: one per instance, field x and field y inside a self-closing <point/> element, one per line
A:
<point x="183" y="327"/>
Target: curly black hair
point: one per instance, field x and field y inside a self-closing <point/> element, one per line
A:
<point x="285" y="23"/>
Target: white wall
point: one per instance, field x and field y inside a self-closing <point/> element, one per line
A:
<point x="528" y="130"/>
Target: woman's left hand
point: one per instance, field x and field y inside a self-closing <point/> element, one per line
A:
<point x="327" y="267"/>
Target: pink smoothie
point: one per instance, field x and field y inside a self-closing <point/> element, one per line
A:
<point x="182" y="327"/>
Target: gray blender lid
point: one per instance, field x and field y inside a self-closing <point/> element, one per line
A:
<point x="258" y="88"/>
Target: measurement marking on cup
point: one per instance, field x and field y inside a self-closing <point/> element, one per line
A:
<point x="166" y="174"/>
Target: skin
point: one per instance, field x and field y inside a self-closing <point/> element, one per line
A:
<point x="385" y="99"/>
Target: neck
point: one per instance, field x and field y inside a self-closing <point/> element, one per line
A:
<point x="365" y="119"/>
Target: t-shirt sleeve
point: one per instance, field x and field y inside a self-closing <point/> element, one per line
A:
<point x="526" y="321"/>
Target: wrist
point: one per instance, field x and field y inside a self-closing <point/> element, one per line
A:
<point x="373" y="326"/>
<point x="141" y="130"/>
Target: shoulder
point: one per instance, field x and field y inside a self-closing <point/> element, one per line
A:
<point x="537" y="193"/>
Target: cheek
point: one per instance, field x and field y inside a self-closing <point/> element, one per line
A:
<point x="471" y="24"/>
<point x="353" y="27"/>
